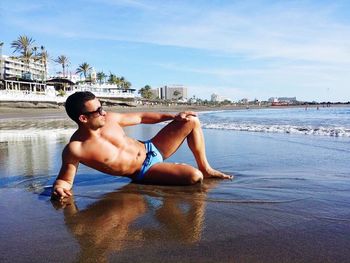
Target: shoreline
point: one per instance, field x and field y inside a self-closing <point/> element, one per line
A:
<point x="27" y="109"/>
<point x="59" y="111"/>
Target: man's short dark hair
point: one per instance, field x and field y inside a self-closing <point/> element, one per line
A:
<point x="75" y="104"/>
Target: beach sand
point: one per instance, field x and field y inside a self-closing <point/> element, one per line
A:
<point x="59" y="112"/>
<point x="286" y="203"/>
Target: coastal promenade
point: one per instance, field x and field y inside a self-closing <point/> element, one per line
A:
<point x="25" y="96"/>
<point x="49" y="99"/>
<point x="50" y="95"/>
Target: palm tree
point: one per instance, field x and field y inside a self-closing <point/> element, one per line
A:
<point x="26" y="56"/>
<point x="112" y="78"/>
<point x="84" y="68"/>
<point x="35" y="49"/>
<point x="44" y="56"/>
<point x="101" y="76"/>
<point x="121" y="82"/>
<point x="64" y="61"/>
<point x="146" y="92"/>
<point x="1" y="44"/>
<point x="176" y="93"/>
<point x="24" y="45"/>
<point x="118" y="81"/>
<point x="127" y="85"/>
<point x="124" y="84"/>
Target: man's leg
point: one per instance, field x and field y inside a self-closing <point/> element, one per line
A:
<point x="172" y="174"/>
<point x="169" y="139"/>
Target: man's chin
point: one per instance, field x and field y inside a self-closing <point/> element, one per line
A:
<point x="102" y="123"/>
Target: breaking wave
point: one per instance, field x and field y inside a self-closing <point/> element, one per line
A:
<point x="305" y="130"/>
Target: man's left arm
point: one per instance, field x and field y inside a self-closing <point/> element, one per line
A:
<point x="128" y="119"/>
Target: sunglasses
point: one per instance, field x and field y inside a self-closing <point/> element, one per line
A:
<point x="99" y="111"/>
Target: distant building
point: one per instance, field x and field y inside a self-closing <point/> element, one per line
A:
<point x="15" y="68"/>
<point x="289" y="100"/>
<point x="171" y="92"/>
<point x="283" y="101"/>
<point x="93" y="75"/>
<point x="155" y="93"/>
<point x="243" y="101"/>
<point x="254" y="102"/>
<point x="217" y="98"/>
<point x="27" y="81"/>
<point x="72" y="76"/>
<point x="18" y="75"/>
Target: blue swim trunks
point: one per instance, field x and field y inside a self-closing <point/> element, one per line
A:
<point x="153" y="156"/>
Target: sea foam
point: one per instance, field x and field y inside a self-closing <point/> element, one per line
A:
<point x="306" y="130"/>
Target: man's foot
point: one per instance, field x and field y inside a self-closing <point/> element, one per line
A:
<point x="212" y="173"/>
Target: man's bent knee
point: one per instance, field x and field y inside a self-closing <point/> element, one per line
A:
<point x="196" y="177"/>
<point x="191" y="122"/>
<point x="194" y="120"/>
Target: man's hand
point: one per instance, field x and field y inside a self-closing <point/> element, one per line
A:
<point x="67" y="204"/>
<point x="59" y="193"/>
<point x="183" y="116"/>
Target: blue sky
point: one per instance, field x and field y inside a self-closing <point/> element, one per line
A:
<point x="238" y="49"/>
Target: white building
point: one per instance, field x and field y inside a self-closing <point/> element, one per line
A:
<point x="15" y="68"/>
<point x="243" y="101"/>
<point x="93" y="75"/>
<point x="173" y="92"/>
<point x="110" y="91"/>
<point x="20" y="81"/>
<point x="217" y="98"/>
<point x="289" y="100"/>
<point x="155" y="93"/>
<point x="273" y="99"/>
<point x="72" y="76"/>
<point x="18" y="75"/>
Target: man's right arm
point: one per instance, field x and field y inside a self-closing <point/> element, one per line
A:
<point x="64" y="181"/>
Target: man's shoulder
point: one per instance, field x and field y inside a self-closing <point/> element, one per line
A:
<point x="73" y="148"/>
<point x="75" y="139"/>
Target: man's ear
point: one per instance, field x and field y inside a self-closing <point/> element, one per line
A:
<point x="83" y="118"/>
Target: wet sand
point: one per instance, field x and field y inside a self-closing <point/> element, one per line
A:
<point x="132" y="223"/>
<point x="290" y="205"/>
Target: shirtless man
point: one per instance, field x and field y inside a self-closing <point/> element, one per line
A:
<point x="101" y="143"/>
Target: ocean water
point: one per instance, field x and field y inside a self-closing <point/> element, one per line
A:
<point x="332" y="121"/>
<point x="289" y="201"/>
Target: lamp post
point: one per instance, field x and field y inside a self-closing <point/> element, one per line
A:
<point x="1" y="44"/>
<point x="1" y="70"/>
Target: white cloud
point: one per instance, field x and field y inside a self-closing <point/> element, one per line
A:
<point x="302" y="45"/>
<point x="265" y="35"/>
<point x="275" y="32"/>
<point x="124" y="3"/>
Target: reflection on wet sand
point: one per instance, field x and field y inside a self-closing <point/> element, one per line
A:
<point x="136" y="215"/>
<point x="30" y="155"/>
